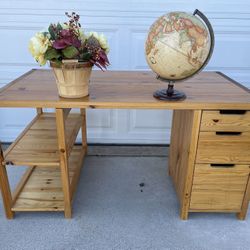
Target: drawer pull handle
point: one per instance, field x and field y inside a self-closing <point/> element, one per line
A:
<point x="233" y="112"/>
<point x="217" y="165"/>
<point x="228" y="133"/>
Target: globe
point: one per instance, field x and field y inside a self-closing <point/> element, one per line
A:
<point x="179" y="45"/>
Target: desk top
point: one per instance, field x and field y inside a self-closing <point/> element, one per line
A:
<point x="126" y="89"/>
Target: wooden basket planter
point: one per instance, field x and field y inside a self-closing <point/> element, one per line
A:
<point x="72" y="78"/>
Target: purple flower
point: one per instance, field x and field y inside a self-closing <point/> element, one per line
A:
<point x="67" y="38"/>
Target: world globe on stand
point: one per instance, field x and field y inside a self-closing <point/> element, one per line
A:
<point x="178" y="46"/>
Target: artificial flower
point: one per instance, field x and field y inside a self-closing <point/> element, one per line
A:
<point x="101" y="39"/>
<point x="68" y="41"/>
<point x="38" y="45"/>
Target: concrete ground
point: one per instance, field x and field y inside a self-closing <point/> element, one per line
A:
<point x="112" y="211"/>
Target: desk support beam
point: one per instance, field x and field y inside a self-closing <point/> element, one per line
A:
<point x="64" y="164"/>
<point x="84" y="129"/>
<point x="39" y="111"/>
<point x="5" y="187"/>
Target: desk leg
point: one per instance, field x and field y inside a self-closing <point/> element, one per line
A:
<point x="242" y="215"/>
<point x="182" y="154"/>
<point x="5" y="188"/>
<point x="64" y="165"/>
<point x="173" y="144"/>
<point x="84" y="130"/>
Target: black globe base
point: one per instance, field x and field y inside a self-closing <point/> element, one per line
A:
<point x="175" y="95"/>
<point x="169" y="94"/>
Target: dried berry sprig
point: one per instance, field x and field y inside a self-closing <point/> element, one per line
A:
<point x="98" y="55"/>
<point x="73" y="20"/>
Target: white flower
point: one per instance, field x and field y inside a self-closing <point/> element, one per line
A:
<point x="82" y="35"/>
<point x="41" y="60"/>
<point x="64" y="25"/>
<point x="101" y="39"/>
<point x="38" y="45"/>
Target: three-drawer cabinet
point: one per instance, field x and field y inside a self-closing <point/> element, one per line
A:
<point x="210" y="160"/>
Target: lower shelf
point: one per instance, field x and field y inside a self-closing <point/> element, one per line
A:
<point x="41" y="189"/>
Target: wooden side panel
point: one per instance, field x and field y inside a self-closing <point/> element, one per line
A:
<point x="184" y="137"/>
<point x="219" y="188"/>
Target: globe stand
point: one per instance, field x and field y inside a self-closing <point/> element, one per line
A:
<point x="169" y="94"/>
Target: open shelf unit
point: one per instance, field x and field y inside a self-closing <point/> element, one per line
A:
<point x="37" y="147"/>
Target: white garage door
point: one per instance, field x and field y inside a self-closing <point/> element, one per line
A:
<point x="126" y="24"/>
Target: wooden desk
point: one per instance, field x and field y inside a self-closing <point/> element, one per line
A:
<point x="209" y="151"/>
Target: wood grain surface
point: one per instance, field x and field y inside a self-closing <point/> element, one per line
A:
<point x="42" y="189"/>
<point x="219" y="188"/>
<point x="223" y="148"/>
<point x="37" y="145"/>
<point x="184" y="137"/>
<point x="123" y="89"/>
<point x="216" y="120"/>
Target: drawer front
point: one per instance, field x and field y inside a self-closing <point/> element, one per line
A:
<point x="225" y="120"/>
<point x="223" y="147"/>
<point x="219" y="187"/>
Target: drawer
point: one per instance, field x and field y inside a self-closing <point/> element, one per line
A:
<point x="219" y="187"/>
<point x="225" y="120"/>
<point x="223" y="147"/>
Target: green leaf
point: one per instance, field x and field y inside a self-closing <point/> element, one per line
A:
<point x="51" y="54"/>
<point x="52" y="32"/>
<point x="57" y="62"/>
<point x="59" y="27"/>
<point x="70" y="52"/>
<point x="85" y="56"/>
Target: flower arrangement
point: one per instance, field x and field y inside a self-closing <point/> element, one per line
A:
<point x="68" y="41"/>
